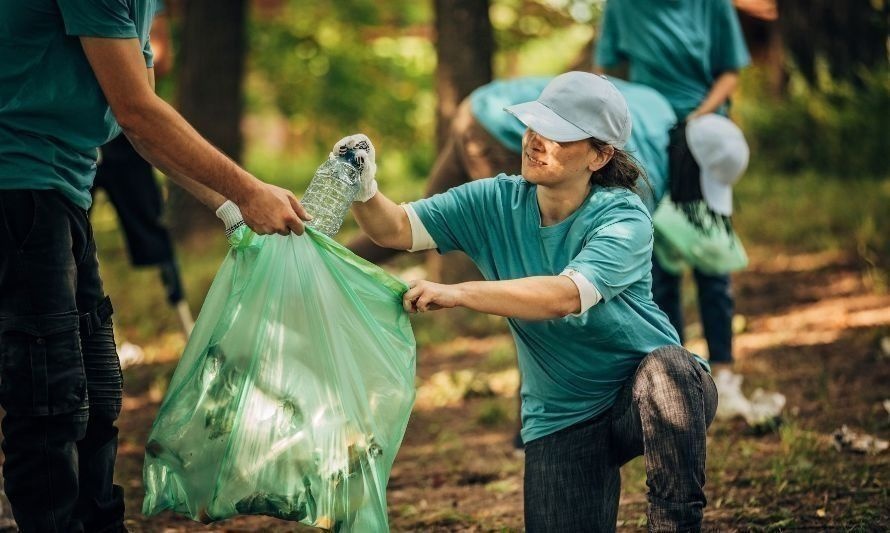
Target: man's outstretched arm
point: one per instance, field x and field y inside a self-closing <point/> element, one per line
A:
<point x="169" y="143"/>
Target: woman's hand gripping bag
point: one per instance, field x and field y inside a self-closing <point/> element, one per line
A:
<point x="293" y="393"/>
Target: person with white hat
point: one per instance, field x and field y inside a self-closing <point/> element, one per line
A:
<point x="565" y="249"/>
<point x="693" y="227"/>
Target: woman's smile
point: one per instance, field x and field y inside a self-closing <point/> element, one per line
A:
<point x="533" y="161"/>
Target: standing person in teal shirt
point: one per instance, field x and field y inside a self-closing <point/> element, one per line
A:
<point x="691" y="52"/>
<point x="565" y="249"/>
<point x="73" y="73"/>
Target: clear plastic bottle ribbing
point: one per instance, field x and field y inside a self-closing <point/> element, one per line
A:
<point x="332" y="190"/>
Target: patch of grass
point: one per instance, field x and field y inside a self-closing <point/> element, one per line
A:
<point x="448" y="517"/>
<point x="784" y="521"/>
<point x="141" y="312"/>
<point x="500" y="358"/>
<point x="633" y="476"/>
<point x="407" y="511"/>
<point x="796" y="464"/>
<point x="492" y="413"/>
<point x="504" y="486"/>
<point x="810" y="212"/>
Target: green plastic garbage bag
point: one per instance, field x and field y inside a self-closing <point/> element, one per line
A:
<point x="678" y="243"/>
<point x="293" y="393"/>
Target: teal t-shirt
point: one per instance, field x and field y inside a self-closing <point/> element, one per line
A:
<point x="53" y="114"/>
<point x="651" y="116"/>
<point x="677" y="47"/>
<point x="573" y="367"/>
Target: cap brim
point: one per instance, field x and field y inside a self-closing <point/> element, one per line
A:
<point x="545" y="122"/>
<point x="717" y="195"/>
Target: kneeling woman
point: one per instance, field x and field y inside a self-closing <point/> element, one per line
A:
<point x="567" y="250"/>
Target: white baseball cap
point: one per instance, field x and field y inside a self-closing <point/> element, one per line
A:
<point x="720" y="150"/>
<point x="576" y="106"/>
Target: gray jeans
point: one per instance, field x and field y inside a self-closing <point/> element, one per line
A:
<point x="572" y="479"/>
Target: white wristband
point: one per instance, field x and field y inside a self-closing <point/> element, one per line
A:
<point x="231" y="216"/>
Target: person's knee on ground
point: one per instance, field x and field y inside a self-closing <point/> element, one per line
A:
<point x="676" y="400"/>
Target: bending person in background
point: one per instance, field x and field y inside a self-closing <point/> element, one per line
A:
<point x="566" y="249"/>
<point x="691" y="52"/>
<point x="73" y="74"/>
<point x="132" y="189"/>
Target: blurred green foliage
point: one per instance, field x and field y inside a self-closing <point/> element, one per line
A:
<point x="811" y="212"/>
<point x="838" y="128"/>
<point x="321" y="70"/>
<point x="332" y="68"/>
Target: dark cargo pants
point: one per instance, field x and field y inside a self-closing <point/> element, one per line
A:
<point x="60" y="378"/>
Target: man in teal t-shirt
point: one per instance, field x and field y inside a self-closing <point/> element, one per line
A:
<point x="688" y="50"/>
<point x="73" y="74"/>
<point x="54" y="114"/>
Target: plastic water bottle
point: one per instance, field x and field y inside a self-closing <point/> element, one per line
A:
<point x="331" y="191"/>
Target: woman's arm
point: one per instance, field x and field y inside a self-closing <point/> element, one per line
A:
<point x="720" y="92"/>
<point x="385" y="222"/>
<point x="379" y="217"/>
<point x="532" y="298"/>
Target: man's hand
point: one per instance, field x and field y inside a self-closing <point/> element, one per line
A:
<point x="428" y="296"/>
<point x="365" y="155"/>
<point x="272" y="209"/>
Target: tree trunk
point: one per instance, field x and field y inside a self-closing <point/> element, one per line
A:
<point x="850" y="37"/>
<point x="764" y="41"/>
<point x="211" y="68"/>
<point x="464" y="48"/>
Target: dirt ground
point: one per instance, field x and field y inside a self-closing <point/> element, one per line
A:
<point x="813" y="328"/>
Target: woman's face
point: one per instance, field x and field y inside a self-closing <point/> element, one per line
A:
<point x="552" y="163"/>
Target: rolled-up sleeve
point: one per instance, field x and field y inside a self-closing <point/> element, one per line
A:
<point x="98" y="18"/>
<point x="618" y="253"/>
<point x="456" y="219"/>
<point x="728" y="49"/>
